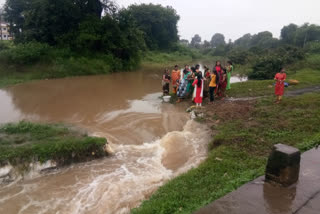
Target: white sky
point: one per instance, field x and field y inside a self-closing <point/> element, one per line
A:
<point x="235" y="18"/>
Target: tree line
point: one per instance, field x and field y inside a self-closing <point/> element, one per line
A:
<point x="262" y="51"/>
<point x="92" y="27"/>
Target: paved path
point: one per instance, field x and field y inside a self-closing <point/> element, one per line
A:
<point x="258" y="197"/>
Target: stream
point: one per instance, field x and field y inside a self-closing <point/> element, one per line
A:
<point x="152" y="142"/>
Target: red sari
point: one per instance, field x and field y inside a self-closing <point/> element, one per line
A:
<point x="198" y="91"/>
<point x="280" y="78"/>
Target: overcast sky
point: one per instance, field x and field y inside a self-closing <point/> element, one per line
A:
<point x="235" y="18"/>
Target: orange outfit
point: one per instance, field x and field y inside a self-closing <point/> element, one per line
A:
<point x="175" y="75"/>
<point x="279" y="89"/>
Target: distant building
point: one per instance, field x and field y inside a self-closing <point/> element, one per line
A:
<point x="4" y="28"/>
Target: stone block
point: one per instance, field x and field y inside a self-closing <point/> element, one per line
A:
<point x="283" y="165"/>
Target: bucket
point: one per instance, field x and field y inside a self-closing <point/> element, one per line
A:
<point x="166" y="99"/>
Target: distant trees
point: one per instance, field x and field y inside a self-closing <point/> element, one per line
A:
<point x="184" y="42"/>
<point x="243" y="41"/>
<point x="158" y="23"/>
<point x="217" y="39"/>
<point x="94" y="26"/>
<point x="196" y="41"/>
<point x="300" y="36"/>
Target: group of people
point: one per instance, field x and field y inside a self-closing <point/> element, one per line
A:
<point x="193" y="83"/>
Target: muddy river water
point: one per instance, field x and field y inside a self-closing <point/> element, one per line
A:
<point x="152" y="142"/>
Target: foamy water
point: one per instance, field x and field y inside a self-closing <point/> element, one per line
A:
<point x="151" y="142"/>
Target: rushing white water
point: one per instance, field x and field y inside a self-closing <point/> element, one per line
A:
<point x="152" y="142"/>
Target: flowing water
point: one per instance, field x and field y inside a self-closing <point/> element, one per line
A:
<point x="152" y="142"/>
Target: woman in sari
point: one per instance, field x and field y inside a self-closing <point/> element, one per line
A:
<point x="229" y="72"/>
<point x="219" y="70"/>
<point x="175" y="76"/>
<point x="182" y="91"/>
<point x="198" y="90"/>
<point x="280" y="78"/>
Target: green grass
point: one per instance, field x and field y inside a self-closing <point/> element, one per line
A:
<point x="23" y="143"/>
<point x="253" y="88"/>
<point x="239" y="153"/>
<point x="164" y="59"/>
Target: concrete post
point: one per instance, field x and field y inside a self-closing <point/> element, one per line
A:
<point x="283" y="165"/>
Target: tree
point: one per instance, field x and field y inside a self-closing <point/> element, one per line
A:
<point x="307" y="33"/>
<point x="196" y="41"/>
<point x="289" y="34"/>
<point x="217" y="40"/>
<point x="206" y="44"/>
<point x="184" y="42"/>
<point x="158" y="23"/>
<point x="263" y="40"/>
<point x="244" y="41"/>
<point x="48" y="20"/>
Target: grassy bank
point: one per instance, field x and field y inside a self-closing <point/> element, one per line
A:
<point x="18" y="64"/>
<point x="307" y="72"/>
<point x="245" y="133"/>
<point x="23" y="143"/>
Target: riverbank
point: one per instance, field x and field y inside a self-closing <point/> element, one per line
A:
<point x="25" y="143"/>
<point x="67" y="66"/>
<point x="244" y="133"/>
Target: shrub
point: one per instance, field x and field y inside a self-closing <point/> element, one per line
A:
<point x="4" y="45"/>
<point x="25" y="53"/>
<point x="313" y="47"/>
<point x="239" y="56"/>
<point x="268" y="65"/>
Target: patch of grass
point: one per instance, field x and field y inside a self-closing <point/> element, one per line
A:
<point x="26" y="142"/>
<point x="313" y="142"/>
<point x="239" y="153"/>
<point x="223" y="171"/>
<point x="173" y="58"/>
<point x="253" y="88"/>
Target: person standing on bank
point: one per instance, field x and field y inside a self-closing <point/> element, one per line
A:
<point x="198" y="89"/>
<point x="175" y="76"/>
<point x="229" y="73"/>
<point x="214" y="81"/>
<point x="166" y="83"/>
<point x="280" y="78"/>
<point x="183" y="86"/>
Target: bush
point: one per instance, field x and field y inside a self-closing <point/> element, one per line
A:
<point x="268" y="65"/>
<point x="313" y="47"/>
<point x="4" y="45"/>
<point x="239" y="56"/>
<point x="25" y="53"/>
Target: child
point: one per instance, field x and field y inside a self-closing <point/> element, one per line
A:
<point x="166" y="83"/>
<point x="198" y="90"/>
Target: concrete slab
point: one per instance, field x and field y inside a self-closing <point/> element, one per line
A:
<point x="258" y="197"/>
